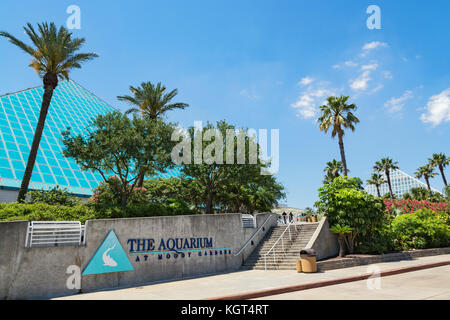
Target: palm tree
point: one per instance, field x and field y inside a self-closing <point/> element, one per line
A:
<point x="338" y="115"/>
<point x="151" y="101"/>
<point x="427" y="172"/>
<point x="386" y="165"/>
<point x="377" y="180"/>
<point x="441" y="161"/>
<point x="53" y="55"/>
<point x="332" y="170"/>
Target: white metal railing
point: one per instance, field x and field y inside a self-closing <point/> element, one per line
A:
<point x="254" y="235"/>
<point x="248" y="221"/>
<point x="54" y="233"/>
<point x="288" y="228"/>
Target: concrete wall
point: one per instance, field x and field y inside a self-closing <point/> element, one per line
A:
<point x="41" y="272"/>
<point x="323" y="241"/>
<point x="8" y="196"/>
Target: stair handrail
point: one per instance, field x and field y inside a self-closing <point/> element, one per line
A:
<point x="282" y="243"/>
<point x="254" y="235"/>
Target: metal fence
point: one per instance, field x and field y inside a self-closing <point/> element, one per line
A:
<point x="54" y="233"/>
<point x="248" y="221"/>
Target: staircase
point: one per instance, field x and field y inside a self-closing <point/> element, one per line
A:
<point x="286" y="261"/>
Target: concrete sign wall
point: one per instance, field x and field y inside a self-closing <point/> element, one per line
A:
<point x="157" y="248"/>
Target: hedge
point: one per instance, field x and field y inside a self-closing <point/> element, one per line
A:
<point x="47" y="212"/>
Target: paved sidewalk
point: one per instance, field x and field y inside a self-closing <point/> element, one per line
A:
<point x="242" y="281"/>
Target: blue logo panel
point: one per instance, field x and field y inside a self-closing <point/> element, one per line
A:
<point x="109" y="257"/>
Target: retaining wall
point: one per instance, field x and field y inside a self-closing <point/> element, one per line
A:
<point x="41" y="272"/>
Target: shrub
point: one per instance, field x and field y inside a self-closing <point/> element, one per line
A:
<point x="345" y="202"/>
<point x="46" y="212"/>
<point x="408" y="206"/>
<point x="110" y="193"/>
<point x="53" y="196"/>
<point x="422" y="229"/>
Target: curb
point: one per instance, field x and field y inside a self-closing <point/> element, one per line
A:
<point x="318" y="284"/>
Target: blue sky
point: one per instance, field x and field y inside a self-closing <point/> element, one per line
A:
<point x="269" y="65"/>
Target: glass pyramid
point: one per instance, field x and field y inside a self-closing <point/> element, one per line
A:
<point x="401" y="184"/>
<point x="71" y="106"/>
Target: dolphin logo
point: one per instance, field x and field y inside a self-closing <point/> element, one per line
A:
<point x="107" y="260"/>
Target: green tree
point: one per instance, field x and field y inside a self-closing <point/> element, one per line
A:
<point x="386" y="165"/>
<point x="427" y="172"/>
<point x="344" y="237"/>
<point x="53" y="55"/>
<point x="206" y="165"/>
<point x="332" y="170"/>
<point x="377" y="180"/>
<point x="337" y="114"/>
<point x="344" y="202"/>
<point x="441" y="161"/>
<point x="151" y="102"/>
<point x="122" y="147"/>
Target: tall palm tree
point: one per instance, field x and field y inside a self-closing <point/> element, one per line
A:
<point x="427" y="172"/>
<point x="337" y="113"/>
<point x="377" y="180"/>
<point x="151" y="101"/>
<point x="441" y="161"/>
<point x="386" y="165"/>
<point x="53" y="55"/>
<point x="332" y="170"/>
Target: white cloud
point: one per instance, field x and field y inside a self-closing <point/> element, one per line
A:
<point x="308" y="102"/>
<point x="373" y="66"/>
<point x="306" y="80"/>
<point x="372" y="46"/>
<point x="361" y="83"/>
<point x="397" y="104"/>
<point x="247" y="94"/>
<point x="376" y="89"/>
<point x="348" y="63"/>
<point x="387" y="74"/>
<point x="437" y="109"/>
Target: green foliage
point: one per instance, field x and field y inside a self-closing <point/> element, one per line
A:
<point x="341" y="229"/>
<point x="46" y="212"/>
<point x="420" y="194"/>
<point x="151" y="101"/>
<point x="225" y="186"/>
<point x="345" y="203"/>
<point x="421" y="229"/>
<point x="126" y="148"/>
<point x="53" y="196"/>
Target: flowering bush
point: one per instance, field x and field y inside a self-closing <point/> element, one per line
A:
<point x="409" y="206"/>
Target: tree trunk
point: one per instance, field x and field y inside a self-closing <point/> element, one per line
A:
<point x="50" y="82"/>
<point x="341" y="148"/>
<point x="140" y="182"/>
<point x="378" y="190"/>
<point x="428" y="183"/>
<point x="441" y="169"/>
<point x="341" y="246"/>
<point x="388" y="177"/>
<point x="351" y="243"/>
<point x="209" y="202"/>
<point x="124" y="199"/>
